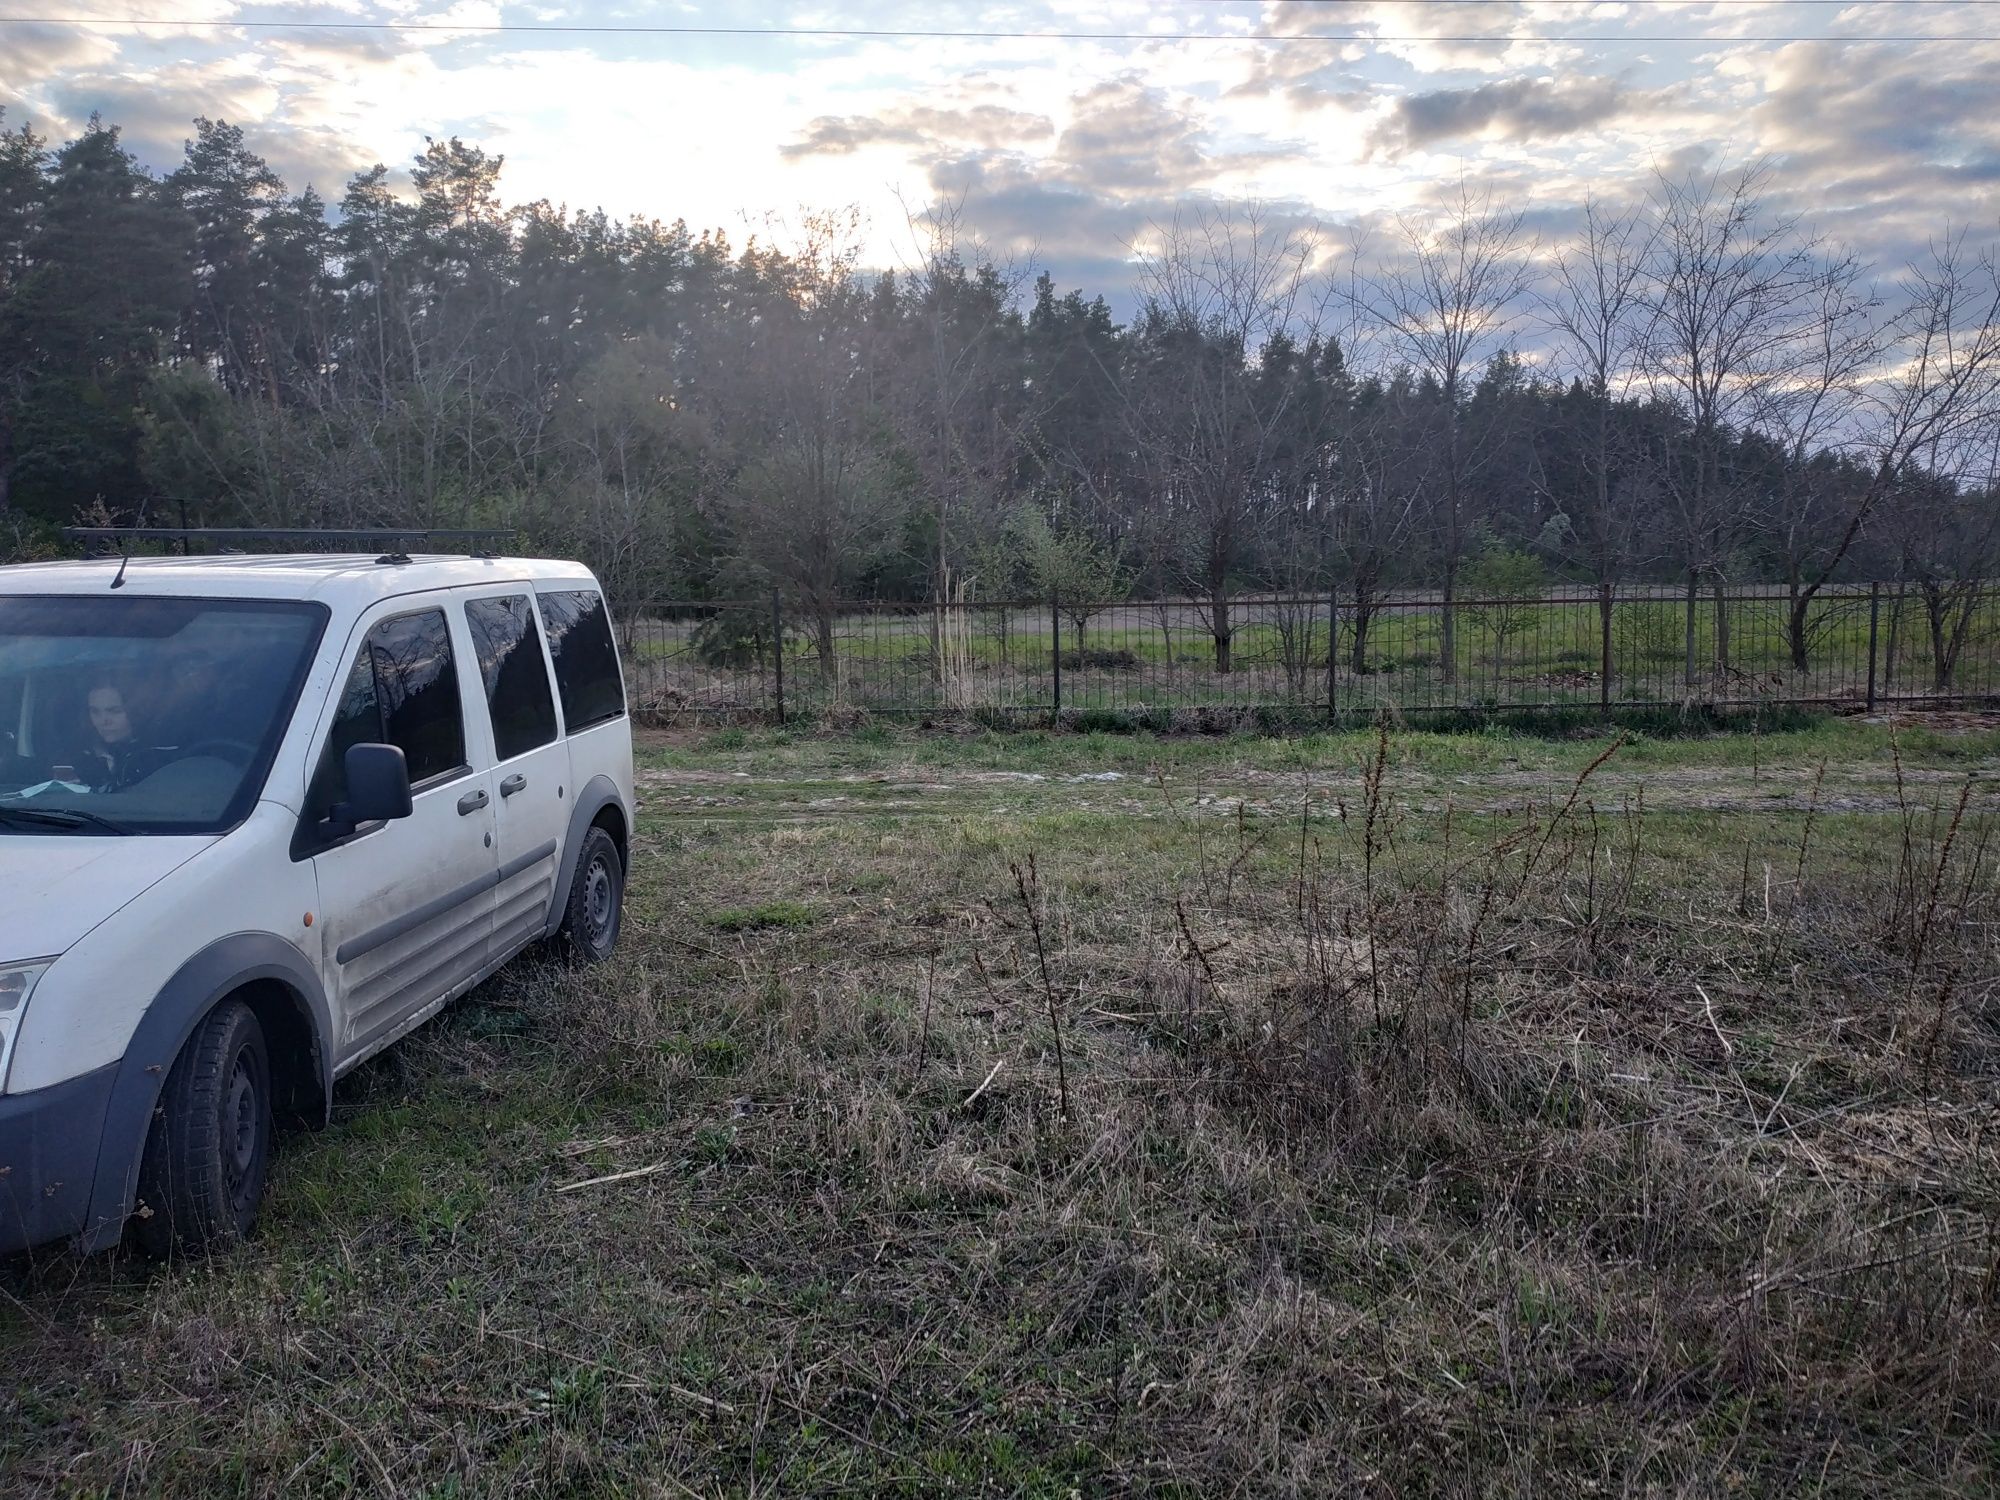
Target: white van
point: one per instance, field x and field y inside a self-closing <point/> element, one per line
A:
<point x="259" y="817"/>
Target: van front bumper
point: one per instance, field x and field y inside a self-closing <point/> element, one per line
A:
<point x="49" y="1142"/>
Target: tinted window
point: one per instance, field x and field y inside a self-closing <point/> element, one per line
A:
<point x="586" y="661"/>
<point x="417" y="682"/>
<point x="517" y="683"/>
<point x="358" y="721"/>
<point x="402" y="690"/>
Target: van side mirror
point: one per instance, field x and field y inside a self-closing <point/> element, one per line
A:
<point x="378" y="785"/>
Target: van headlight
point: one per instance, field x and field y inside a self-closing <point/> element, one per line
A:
<point x="17" y="983"/>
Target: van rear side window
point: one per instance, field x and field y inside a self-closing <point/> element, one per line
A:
<point x="586" y="660"/>
<point x="517" y="684"/>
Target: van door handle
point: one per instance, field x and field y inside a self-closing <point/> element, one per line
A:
<point x="471" y="802"/>
<point x="512" y="784"/>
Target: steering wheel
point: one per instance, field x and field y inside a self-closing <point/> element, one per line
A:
<point x="232" y="750"/>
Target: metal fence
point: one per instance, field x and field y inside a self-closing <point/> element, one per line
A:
<point x="1629" y="646"/>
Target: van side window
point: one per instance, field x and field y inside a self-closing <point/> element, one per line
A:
<point x="418" y="683"/>
<point x="586" y="660"/>
<point x="357" y="721"/>
<point x="402" y="690"/>
<point x="509" y="647"/>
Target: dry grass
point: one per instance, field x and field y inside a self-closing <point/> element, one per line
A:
<point x="1359" y="1150"/>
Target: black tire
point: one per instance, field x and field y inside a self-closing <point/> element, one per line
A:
<point x="210" y="1144"/>
<point x="595" y="906"/>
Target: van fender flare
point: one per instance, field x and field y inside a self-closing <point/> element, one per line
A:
<point x="592" y="798"/>
<point x="221" y="968"/>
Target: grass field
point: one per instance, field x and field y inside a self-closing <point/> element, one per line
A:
<point x="1161" y="656"/>
<point x="1078" y="1114"/>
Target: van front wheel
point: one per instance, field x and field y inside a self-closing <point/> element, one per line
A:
<point x="210" y="1143"/>
<point x="596" y="900"/>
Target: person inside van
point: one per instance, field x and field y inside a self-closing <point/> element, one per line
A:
<point x="112" y="756"/>
<point x="194" y="708"/>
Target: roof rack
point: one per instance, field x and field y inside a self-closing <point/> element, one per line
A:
<point x="234" y="536"/>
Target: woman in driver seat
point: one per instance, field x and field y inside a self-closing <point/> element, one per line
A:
<point x="112" y="756"/>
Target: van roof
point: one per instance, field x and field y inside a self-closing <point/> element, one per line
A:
<point x="313" y="575"/>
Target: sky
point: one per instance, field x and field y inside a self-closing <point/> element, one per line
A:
<point x="1068" y="153"/>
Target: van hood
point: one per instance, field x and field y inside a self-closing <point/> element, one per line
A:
<point x="59" y="886"/>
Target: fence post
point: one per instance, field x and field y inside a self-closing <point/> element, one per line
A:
<point x="1604" y="654"/>
<point x="1332" y="653"/>
<point x="1693" y="584"/>
<point x="1874" y="625"/>
<point x="1055" y="638"/>
<point x="778" y="650"/>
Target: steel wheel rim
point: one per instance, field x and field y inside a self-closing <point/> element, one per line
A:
<point x="241" y="1126"/>
<point x="597" y="900"/>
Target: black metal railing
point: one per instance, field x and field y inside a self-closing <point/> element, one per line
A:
<point x="1605" y="648"/>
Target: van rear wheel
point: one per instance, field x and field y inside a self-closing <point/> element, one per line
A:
<point x="596" y="900"/>
<point x="209" y="1147"/>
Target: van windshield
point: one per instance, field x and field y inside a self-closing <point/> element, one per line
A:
<point x="136" y="715"/>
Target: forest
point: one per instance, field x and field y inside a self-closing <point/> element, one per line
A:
<point x="1690" y="389"/>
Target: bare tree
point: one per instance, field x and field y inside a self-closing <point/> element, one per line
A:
<point x="958" y="404"/>
<point x="1724" y="293"/>
<point x="815" y="502"/>
<point x="1593" y="311"/>
<point x="1933" y="437"/>
<point x="630" y="469"/>
<point x="1946" y="529"/>
<point x="1808" y="411"/>
<point x="1216" y="287"/>
<point x="1446" y="299"/>
<point x="1386" y="469"/>
<point x="1918" y="388"/>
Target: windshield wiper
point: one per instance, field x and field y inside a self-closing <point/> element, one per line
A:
<point x="57" y="817"/>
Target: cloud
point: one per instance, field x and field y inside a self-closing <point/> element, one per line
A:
<point x="1452" y="36"/>
<point x="985" y="125"/>
<point x="1883" y="147"/>
<point x="40" y="54"/>
<point x="1519" y="109"/>
<point x="155" y="108"/>
<point x="1125" y="137"/>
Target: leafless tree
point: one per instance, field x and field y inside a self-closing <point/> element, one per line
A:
<point x="1377" y="503"/>
<point x="1932" y="434"/>
<point x="1938" y="399"/>
<point x="629" y="469"/>
<point x="1946" y="532"/>
<point x="1810" y="409"/>
<point x="1918" y="388"/>
<point x="1216" y="286"/>
<point x="1594" y="314"/>
<point x="814" y="503"/>
<point x="958" y="405"/>
<point x="1446" y="298"/>
<point x="1724" y="293"/>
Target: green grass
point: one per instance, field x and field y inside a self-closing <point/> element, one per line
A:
<point x="768" y="752"/>
<point x="1432" y="1131"/>
<point x="768" y="914"/>
<point x="1542" y="654"/>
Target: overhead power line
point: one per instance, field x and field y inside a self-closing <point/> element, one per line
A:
<point x="870" y="33"/>
<point x="1637" y="4"/>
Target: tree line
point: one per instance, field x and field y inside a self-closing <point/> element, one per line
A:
<point x="1710" y="393"/>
